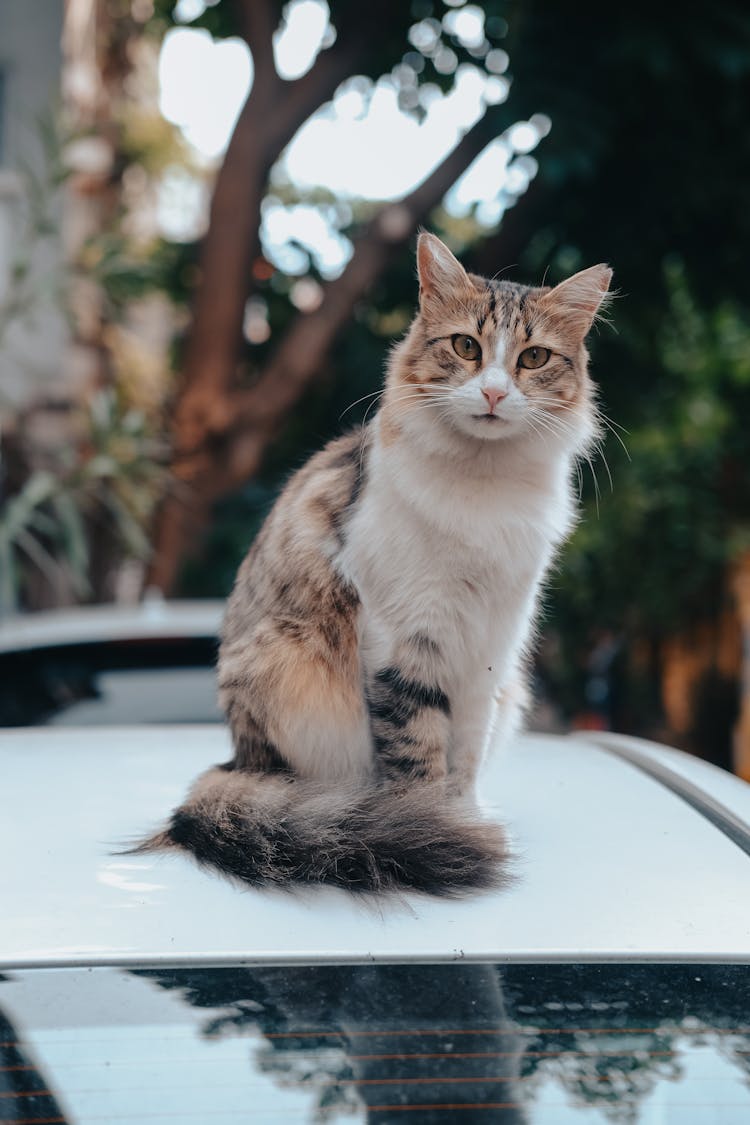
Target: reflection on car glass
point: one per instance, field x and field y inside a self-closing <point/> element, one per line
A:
<point x="542" y="1045"/>
<point x="24" y="1090"/>
<point x="394" y="1037"/>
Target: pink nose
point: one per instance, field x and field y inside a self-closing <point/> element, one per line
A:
<point x="493" y="396"/>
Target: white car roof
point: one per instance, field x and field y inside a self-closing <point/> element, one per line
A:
<point x="610" y="864"/>
<point x="154" y="617"/>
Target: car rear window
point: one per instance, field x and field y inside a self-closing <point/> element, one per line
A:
<point x="106" y="683"/>
<point x="538" y="1044"/>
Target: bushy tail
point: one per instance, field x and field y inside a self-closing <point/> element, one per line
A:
<point x="271" y="830"/>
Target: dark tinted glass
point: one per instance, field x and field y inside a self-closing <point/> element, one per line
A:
<point x="544" y="1045"/>
<point x="157" y="680"/>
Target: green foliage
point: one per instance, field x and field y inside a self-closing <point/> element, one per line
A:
<point x="652" y="556"/>
<point x="86" y="499"/>
<point x="33" y="281"/>
<point x="105" y="484"/>
<point x="38" y="513"/>
<point x="125" y="272"/>
<point x="655" y="555"/>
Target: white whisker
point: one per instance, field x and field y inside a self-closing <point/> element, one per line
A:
<point x="372" y="394"/>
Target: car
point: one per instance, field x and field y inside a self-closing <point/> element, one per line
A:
<point x="609" y="981"/>
<point x="107" y="664"/>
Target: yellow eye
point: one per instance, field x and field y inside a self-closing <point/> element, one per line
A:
<point x="466" y="347"/>
<point x="533" y="357"/>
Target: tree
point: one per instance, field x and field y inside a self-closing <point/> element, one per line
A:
<point x="223" y="425"/>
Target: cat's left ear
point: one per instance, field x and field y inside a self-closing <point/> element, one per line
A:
<point x="580" y="297"/>
<point x="440" y="273"/>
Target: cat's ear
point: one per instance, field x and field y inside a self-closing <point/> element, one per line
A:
<point x="580" y="297"/>
<point x="440" y="273"/>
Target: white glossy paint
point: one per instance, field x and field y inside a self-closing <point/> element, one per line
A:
<point x="154" y="617"/>
<point x="609" y="865"/>
<point x="718" y="785"/>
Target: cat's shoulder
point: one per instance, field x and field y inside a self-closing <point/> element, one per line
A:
<point x="341" y="454"/>
<point x="323" y="492"/>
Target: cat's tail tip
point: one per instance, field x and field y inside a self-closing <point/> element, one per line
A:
<point x="156" y="842"/>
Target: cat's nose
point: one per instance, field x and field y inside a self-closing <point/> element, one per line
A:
<point x="493" y="396"/>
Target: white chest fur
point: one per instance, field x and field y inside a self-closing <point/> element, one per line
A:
<point x="457" y="555"/>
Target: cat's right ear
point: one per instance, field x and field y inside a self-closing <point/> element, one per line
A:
<point x="440" y="273"/>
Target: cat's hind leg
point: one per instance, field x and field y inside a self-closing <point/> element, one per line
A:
<point x="293" y="696"/>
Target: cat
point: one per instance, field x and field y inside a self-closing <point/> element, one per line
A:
<point x="377" y="631"/>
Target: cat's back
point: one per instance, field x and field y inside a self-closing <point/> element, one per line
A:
<point x="290" y="565"/>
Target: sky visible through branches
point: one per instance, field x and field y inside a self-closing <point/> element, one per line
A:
<point x="365" y="145"/>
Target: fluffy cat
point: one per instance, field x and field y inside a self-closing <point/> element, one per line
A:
<point x="376" y="633"/>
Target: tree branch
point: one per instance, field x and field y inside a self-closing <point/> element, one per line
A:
<point x="257" y="23"/>
<point x="271" y="115"/>
<point x="257" y="413"/>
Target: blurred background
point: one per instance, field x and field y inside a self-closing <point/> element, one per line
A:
<point x="208" y="212"/>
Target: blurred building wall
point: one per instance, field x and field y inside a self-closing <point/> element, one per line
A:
<point x="33" y="342"/>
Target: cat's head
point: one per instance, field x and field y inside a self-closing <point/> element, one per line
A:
<point x="490" y="360"/>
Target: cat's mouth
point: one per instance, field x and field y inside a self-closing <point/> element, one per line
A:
<point x="487" y="417"/>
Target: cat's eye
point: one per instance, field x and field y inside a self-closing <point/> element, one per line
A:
<point x="466" y="347"/>
<point x="531" y="358"/>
